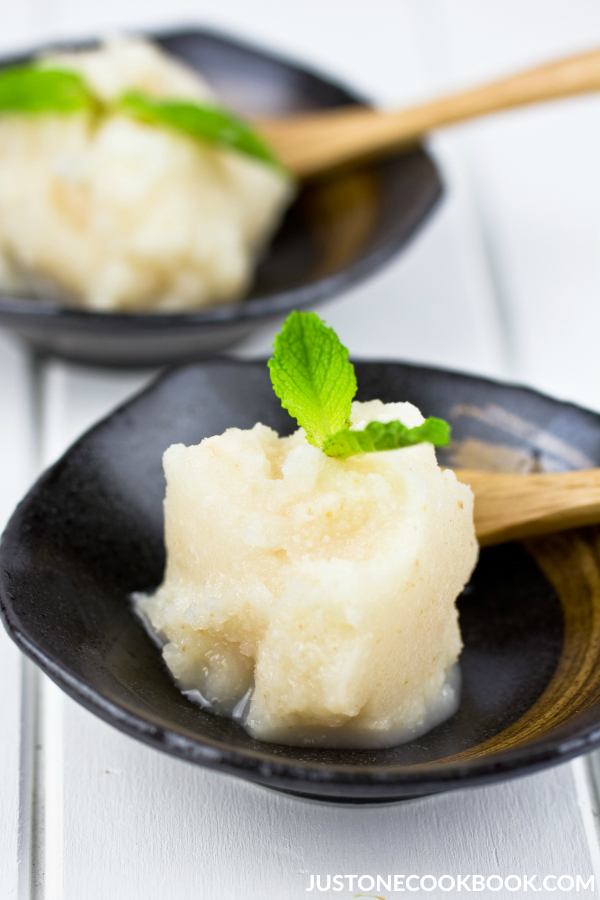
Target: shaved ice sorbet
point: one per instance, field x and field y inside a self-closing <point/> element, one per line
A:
<point x="314" y="597"/>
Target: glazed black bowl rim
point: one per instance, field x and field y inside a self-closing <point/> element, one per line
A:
<point x="240" y="311"/>
<point x="259" y="765"/>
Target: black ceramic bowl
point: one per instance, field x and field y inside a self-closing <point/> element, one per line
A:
<point x="336" y="233"/>
<point x="90" y="532"/>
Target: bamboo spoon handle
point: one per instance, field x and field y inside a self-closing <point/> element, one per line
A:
<point x="312" y="143"/>
<point x="511" y="506"/>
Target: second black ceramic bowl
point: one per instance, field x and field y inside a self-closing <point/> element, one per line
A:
<point x="90" y="532"/>
<point x="335" y="234"/>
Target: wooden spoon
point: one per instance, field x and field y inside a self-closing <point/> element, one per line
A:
<point x="511" y="506"/>
<point x="309" y="144"/>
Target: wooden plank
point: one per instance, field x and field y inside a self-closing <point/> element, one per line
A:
<point x="16" y="468"/>
<point x="17" y="677"/>
<point x="141" y="825"/>
<point x="536" y="179"/>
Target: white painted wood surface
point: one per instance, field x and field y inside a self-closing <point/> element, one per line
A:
<point x="17" y="465"/>
<point x="486" y="287"/>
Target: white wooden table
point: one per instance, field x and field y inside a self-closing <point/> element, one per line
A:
<point x="504" y="280"/>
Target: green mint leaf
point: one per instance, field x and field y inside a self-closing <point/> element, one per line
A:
<point x="35" y="89"/>
<point x="378" y="436"/>
<point x="32" y="89"/>
<point x="200" y="121"/>
<point x="312" y="376"/>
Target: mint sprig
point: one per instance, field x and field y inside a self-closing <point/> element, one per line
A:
<point x="198" y="120"/>
<point x="312" y="376"/>
<point x="378" y="436"/>
<point x="316" y="383"/>
<point x="34" y="89"/>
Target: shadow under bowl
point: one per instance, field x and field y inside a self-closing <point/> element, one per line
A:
<point x="337" y="232"/>
<point x="90" y="532"/>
